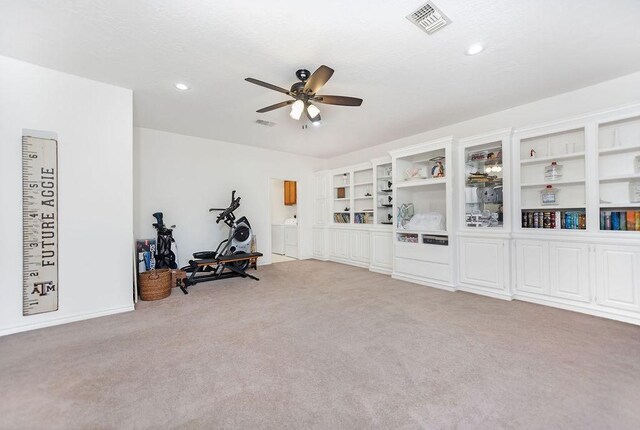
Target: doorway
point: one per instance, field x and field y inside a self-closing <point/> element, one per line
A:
<point x="284" y="220"/>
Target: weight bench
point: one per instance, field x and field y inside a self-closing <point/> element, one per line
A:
<point x="203" y="270"/>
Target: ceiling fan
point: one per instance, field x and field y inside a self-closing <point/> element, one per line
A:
<point x="304" y="94"/>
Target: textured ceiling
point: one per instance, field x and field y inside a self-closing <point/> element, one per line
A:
<point x="410" y="81"/>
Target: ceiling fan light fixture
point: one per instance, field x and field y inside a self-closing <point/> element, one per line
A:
<point x="296" y="109"/>
<point x="313" y="111"/>
<point x="304" y="92"/>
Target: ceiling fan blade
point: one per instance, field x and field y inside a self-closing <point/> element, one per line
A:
<point x="338" y="100"/>
<point x="267" y="85"/>
<point x="275" y="106"/>
<point x="318" y="79"/>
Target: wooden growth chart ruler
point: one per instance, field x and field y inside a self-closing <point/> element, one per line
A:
<point x="39" y="225"/>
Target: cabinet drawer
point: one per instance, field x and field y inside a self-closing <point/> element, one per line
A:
<point x="424" y="252"/>
<point x="423" y="269"/>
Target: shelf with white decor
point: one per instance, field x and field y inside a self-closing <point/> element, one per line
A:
<point x="341" y="190"/>
<point x="619" y="176"/>
<point x="363" y="198"/>
<point x="483" y="219"/>
<point x="551" y="175"/>
<point x="422" y="208"/>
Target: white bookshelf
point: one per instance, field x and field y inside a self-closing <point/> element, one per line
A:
<point x="484" y="181"/>
<point x="536" y="151"/>
<point x="618" y="171"/>
<point x="423" y="252"/>
<point x="585" y="269"/>
<point x="353" y="196"/>
<point x="383" y="191"/>
<point x="363" y="198"/>
<point x="341" y="189"/>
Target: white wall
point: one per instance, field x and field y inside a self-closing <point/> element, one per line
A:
<point x="280" y="212"/>
<point x="184" y="176"/>
<point x="93" y="122"/>
<point x="608" y="94"/>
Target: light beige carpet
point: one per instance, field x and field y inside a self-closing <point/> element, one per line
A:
<point x="324" y="346"/>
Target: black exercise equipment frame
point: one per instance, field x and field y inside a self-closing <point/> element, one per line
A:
<point x="214" y="269"/>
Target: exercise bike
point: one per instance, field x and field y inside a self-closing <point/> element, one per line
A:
<point x="233" y="255"/>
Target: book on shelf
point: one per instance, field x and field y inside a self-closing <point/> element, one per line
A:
<point x="620" y="220"/>
<point x="363" y="218"/>
<point x="341" y="218"/>
<point x="561" y="220"/>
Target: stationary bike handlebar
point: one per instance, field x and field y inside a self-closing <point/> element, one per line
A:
<point x="228" y="212"/>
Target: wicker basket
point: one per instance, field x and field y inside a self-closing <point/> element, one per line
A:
<point x="155" y="284"/>
<point x="177" y="276"/>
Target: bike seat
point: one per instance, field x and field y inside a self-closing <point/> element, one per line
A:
<point x="204" y="255"/>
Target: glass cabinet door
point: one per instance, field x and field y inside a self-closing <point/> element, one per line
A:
<point x="484" y="186"/>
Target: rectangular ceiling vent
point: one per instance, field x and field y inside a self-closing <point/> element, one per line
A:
<point x="429" y="18"/>
<point x="267" y="123"/>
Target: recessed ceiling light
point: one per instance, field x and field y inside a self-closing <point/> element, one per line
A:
<point x="474" y="49"/>
<point x="182" y="87"/>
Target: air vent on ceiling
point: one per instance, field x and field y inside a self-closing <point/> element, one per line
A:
<point x="267" y="123"/>
<point x="429" y="18"/>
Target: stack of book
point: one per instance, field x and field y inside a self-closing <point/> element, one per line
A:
<point x="363" y="218"/>
<point x="567" y="220"/>
<point x="480" y="178"/>
<point x="341" y="218"/>
<point x="620" y="220"/>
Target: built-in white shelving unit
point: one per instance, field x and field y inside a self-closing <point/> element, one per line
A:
<point x="619" y="175"/>
<point x="384" y="192"/>
<point x="342" y="195"/>
<point x="363" y="198"/>
<point x="353" y="195"/>
<point x="538" y="149"/>
<point x="483" y="214"/>
<point x="422" y="205"/>
<point x="497" y="236"/>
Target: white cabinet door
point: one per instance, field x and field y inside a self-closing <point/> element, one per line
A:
<point x="318" y="243"/>
<point x="618" y="276"/>
<point x="291" y="241"/>
<point x="569" y="271"/>
<point x="363" y="244"/>
<point x="482" y="263"/>
<point x="354" y="246"/>
<point x="359" y="246"/>
<point x="339" y="244"/>
<point x="381" y="250"/>
<point x="320" y="211"/>
<point x="277" y="239"/>
<point x="532" y="266"/>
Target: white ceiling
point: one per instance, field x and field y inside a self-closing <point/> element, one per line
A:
<point x="410" y="82"/>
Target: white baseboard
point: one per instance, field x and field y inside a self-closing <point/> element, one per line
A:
<point x="421" y="281"/>
<point x="483" y="292"/>
<point x="631" y="319"/>
<point x="65" y="320"/>
<point x="350" y="263"/>
<point x="380" y="270"/>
